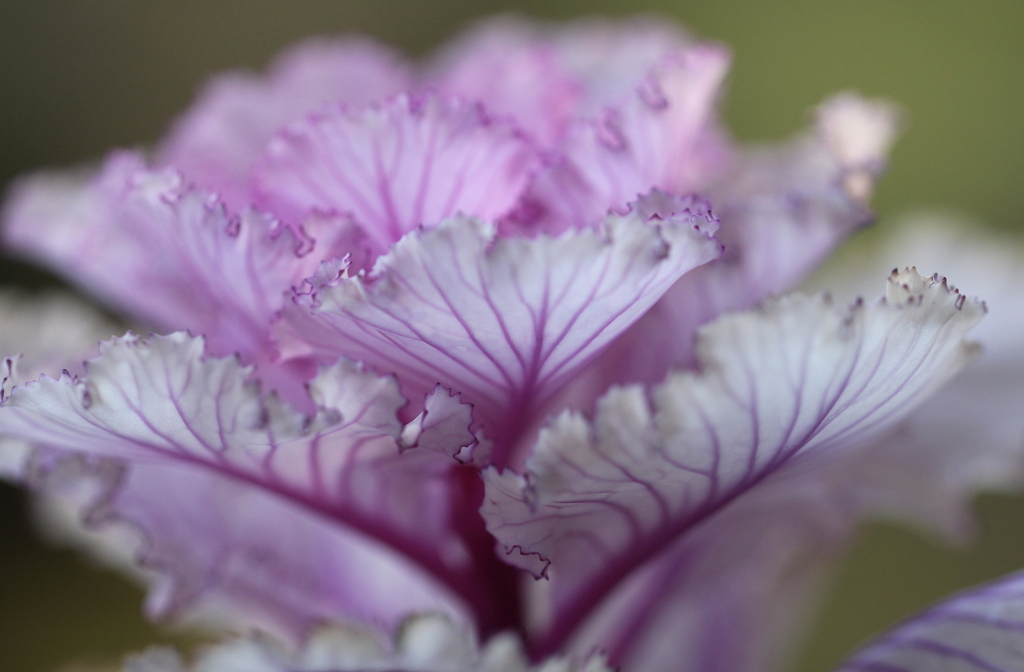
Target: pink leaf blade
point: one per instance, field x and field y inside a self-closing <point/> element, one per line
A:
<point x="409" y="162"/>
<point x="162" y="407"/>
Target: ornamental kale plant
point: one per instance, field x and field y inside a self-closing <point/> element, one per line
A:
<point x="486" y="363"/>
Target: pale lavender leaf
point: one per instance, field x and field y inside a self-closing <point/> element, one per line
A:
<point x="144" y="242"/>
<point x="45" y="332"/>
<point x="544" y="76"/>
<point x="392" y="167"/>
<point x="500" y="66"/>
<point x="970" y="434"/>
<point x="505" y="322"/>
<point x="733" y="594"/>
<point x="663" y="134"/>
<point x="231" y="460"/>
<point x="978" y="630"/>
<point x="612" y="57"/>
<point x="66" y="488"/>
<point x="796" y="378"/>
<point x="219" y="553"/>
<point x="424" y="643"/>
<point x="217" y="141"/>
<point x="740" y="591"/>
<point x="783" y="210"/>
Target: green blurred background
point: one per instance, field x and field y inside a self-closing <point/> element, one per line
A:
<point x="77" y="78"/>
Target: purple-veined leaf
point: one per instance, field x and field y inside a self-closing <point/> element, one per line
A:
<point x="143" y="241"/>
<point x="505" y="322"/>
<point x="217" y="141"/>
<point x="783" y="209"/>
<point x="208" y="456"/>
<point x="662" y="136"/>
<point x="796" y="378"/>
<point x="981" y="630"/>
<point x="42" y="332"/>
<point x="411" y="161"/>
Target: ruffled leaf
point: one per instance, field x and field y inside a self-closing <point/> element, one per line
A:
<point x="546" y="76"/>
<point x="226" y="554"/>
<point x="795" y="379"/>
<point x="982" y="629"/>
<point x="740" y="591"/>
<point x="783" y="210"/>
<point x="503" y="321"/>
<point x="211" y="459"/>
<point x="530" y="85"/>
<point x="219" y="139"/>
<point x="662" y="135"/>
<point x="44" y="332"/>
<point x="729" y="596"/>
<point x="409" y="162"/>
<point x="786" y="207"/>
<point x="425" y="643"/>
<point x="146" y="243"/>
<point x="970" y="435"/>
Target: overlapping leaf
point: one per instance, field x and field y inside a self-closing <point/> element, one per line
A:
<point x="209" y="457"/>
<point x="143" y="241"/>
<point x="798" y="377"/>
<point x="217" y="141"/>
<point x="503" y="321"/>
<point x="393" y="167"/>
